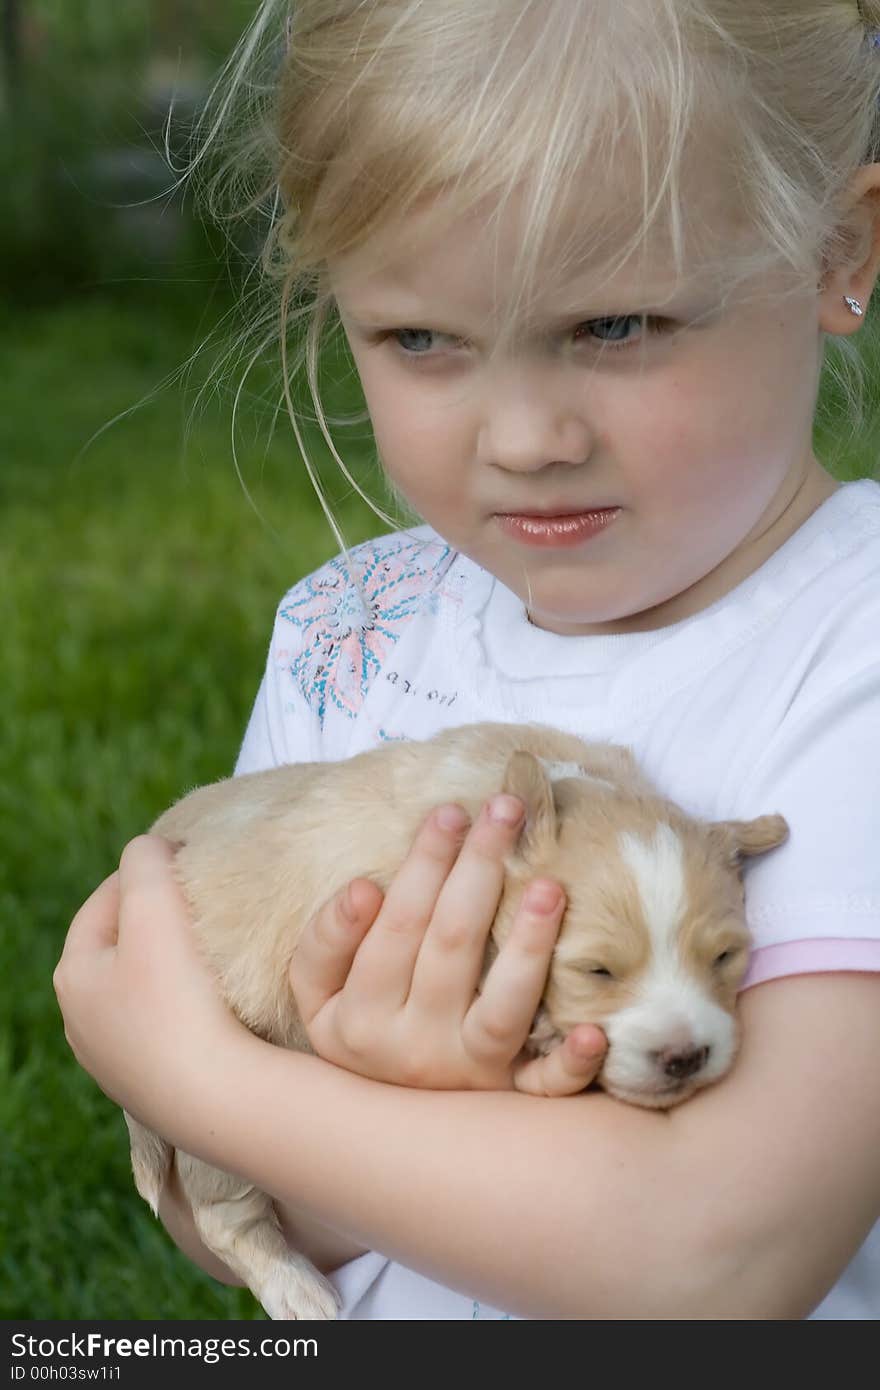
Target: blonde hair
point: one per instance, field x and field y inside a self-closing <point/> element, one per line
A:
<point x="336" y="119"/>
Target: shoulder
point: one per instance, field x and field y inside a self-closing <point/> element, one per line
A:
<point x="335" y="628"/>
<point x="817" y="602"/>
<point x="819" y="707"/>
<point x="840" y="555"/>
<point x="395" y="570"/>
<point x="814" y="757"/>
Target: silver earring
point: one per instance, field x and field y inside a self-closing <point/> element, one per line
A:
<point x="855" y="307"/>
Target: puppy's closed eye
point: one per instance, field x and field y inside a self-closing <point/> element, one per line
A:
<point x="727" y="957"/>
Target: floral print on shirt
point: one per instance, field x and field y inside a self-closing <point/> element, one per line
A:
<point x="346" y="630"/>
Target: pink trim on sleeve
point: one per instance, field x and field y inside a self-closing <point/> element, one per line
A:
<point x="812" y="957"/>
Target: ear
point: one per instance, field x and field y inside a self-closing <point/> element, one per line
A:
<point x="741" y="839"/>
<point x="857" y="275"/>
<point x="525" y="777"/>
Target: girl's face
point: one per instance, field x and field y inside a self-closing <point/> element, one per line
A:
<point x="696" y="429"/>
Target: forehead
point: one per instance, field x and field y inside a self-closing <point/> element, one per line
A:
<point x="447" y="279"/>
<point x="438" y="256"/>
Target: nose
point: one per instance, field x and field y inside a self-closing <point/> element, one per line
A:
<point x="529" y="423"/>
<point x="680" y="1063"/>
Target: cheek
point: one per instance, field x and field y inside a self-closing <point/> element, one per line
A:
<point x="390" y="414"/>
<point x="417" y="442"/>
<point x="705" y="478"/>
<point x="714" y="433"/>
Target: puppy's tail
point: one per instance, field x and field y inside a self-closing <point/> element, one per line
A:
<point x="150" y="1162"/>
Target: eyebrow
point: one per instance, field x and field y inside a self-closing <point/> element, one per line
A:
<point x="411" y="314"/>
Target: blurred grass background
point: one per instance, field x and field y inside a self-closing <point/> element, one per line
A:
<point x="137" y="591"/>
<point x="137" y="584"/>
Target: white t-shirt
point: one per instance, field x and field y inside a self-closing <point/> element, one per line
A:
<point x="767" y="701"/>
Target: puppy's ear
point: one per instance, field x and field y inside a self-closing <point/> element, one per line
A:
<point x="741" y="839"/>
<point x="525" y="777"/>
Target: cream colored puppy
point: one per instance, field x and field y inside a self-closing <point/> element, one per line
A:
<point x="653" y="945"/>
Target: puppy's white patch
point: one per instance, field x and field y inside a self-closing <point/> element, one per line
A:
<point x="657" y="865"/>
<point x="557" y="771"/>
<point x="672" y="1010"/>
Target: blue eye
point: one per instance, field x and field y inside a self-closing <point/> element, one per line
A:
<point x="615" y="331"/>
<point x="612" y="333"/>
<point x="423" y="333"/>
<point x="615" y="328"/>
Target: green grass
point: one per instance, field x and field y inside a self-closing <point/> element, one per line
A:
<point x="137" y="589"/>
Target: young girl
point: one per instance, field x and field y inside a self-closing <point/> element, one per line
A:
<point x="589" y="258"/>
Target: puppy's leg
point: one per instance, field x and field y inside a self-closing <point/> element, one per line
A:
<point x="237" y="1223"/>
<point x="150" y="1162"/>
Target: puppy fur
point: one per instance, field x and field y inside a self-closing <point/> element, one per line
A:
<point x="653" y="946"/>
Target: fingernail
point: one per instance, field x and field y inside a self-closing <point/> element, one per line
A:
<point x="506" y="810"/>
<point x="451" y="818"/>
<point x="542" y="896"/>
<point x="590" y="1046"/>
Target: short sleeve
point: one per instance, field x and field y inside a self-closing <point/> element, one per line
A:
<point x="814" y="904"/>
<point x="283" y="726"/>
<point x="333" y="633"/>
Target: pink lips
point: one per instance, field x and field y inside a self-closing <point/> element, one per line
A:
<point x="568" y="530"/>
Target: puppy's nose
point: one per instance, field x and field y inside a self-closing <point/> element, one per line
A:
<point x="680" y="1063"/>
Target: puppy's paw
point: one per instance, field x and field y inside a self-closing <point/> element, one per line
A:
<point x="292" y="1294"/>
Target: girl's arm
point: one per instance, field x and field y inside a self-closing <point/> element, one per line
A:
<point x="746" y="1202"/>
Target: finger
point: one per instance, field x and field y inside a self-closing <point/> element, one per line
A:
<point x="155" y="924"/>
<point x="568" y="1068"/>
<point x="451" y="958"/>
<point x="91" y="935"/>
<point x="94" y="927"/>
<point x="145" y="867"/>
<point x="383" y="967"/>
<point x="323" y="955"/>
<point x="499" y="1019"/>
<point x="96" y="924"/>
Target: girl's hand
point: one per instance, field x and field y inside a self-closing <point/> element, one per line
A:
<point x="388" y="987"/>
<point x="141" y="1010"/>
